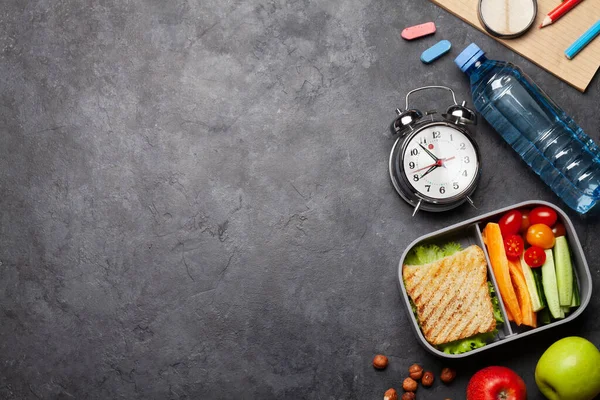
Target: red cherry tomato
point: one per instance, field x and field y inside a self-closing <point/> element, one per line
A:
<point x="540" y="235"/>
<point x="510" y="223"/>
<point x="524" y="220"/>
<point x="535" y="256"/>
<point x="513" y="245"/>
<point x="559" y="230"/>
<point x="542" y="215"/>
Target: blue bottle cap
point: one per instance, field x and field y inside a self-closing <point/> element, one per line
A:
<point x="468" y="57"/>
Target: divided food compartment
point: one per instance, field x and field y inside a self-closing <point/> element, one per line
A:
<point x="468" y="233"/>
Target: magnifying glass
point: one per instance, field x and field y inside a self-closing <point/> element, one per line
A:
<point x="507" y="19"/>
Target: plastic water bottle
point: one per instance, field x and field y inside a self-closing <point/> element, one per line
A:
<point x="545" y="137"/>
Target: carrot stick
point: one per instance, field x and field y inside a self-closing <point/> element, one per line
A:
<point x="520" y="286"/>
<point x="509" y="315"/>
<point x="492" y="237"/>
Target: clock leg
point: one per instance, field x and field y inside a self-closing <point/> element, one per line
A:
<point x="471" y="202"/>
<point x="417" y="207"/>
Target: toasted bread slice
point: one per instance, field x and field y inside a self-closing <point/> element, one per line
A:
<point x="451" y="296"/>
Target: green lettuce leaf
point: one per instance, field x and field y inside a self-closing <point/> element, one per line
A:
<point x="429" y="253"/>
<point x="468" y="344"/>
<point x="495" y="304"/>
<point x="451" y="248"/>
<point x="411" y="259"/>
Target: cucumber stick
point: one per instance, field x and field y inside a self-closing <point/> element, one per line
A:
<point x="537" y="275"/>
<point x="551" y="287"/>
<point x="564" y="271"/>
<point x="575" y="301"/>
<point x="544" y="316"/>
<point x="536" y="300"/>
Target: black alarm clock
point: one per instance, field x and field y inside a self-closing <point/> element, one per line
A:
<point x="434" y="163"/>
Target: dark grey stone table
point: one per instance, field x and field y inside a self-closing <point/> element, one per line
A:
<point x="195" y="201"/>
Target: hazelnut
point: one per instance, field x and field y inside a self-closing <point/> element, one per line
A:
<point x="415" y="371"/>
<point x="390" y="394"/>
<point x="447" y="375"/>
<point x="409" y="385"/>
<point x="409" y="396"/>
<point x="380" y="361"/>
<point x="427" y="379"/>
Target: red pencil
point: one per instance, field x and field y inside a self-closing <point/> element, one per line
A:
<point x="559" y="11"/>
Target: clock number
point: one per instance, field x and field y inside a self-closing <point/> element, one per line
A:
<point x="414" y="152"/>
<point x="428" y="187"/>
<point x="463" y="146"/>
<point x="411" y="165"/>
<point x="442" y="190"/>
<point x="436" y="135"/>
<point x="416" y="177"/>
<point x="451" y="138"/>
<point x="466" y="160"/>
<point x="423" y="140"/>
<point x="455" y="185"/>
<point x="464" y="173"/>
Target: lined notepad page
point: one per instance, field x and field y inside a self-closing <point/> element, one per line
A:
<point x="546" y="47"/>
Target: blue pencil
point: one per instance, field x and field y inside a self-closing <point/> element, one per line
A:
<point x="583" y="41"/>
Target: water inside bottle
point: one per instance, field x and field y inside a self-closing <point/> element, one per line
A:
<point x="546" y="138"/>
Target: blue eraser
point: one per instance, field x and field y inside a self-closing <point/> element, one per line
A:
<point x="436" y="51"/>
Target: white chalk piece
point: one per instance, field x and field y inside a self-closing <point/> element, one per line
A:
<point x="507" y="18"/>
<point x="436" y="51"/>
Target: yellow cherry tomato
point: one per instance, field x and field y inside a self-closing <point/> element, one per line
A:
<point x="540" y="235"/>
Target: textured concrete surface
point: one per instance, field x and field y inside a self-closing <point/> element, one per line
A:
<point x="195" y="201"/>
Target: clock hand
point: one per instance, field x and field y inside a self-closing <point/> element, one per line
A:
<point x="440" y="163"/>
<point x="443" y="161"/>
<point x="425" y="167"/>
<point x="428" y="171"/>
<point x="428" y="152"/>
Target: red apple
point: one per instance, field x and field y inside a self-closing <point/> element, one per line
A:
<point x="496" y="383"/>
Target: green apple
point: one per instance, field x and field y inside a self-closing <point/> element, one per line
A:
<point x="569" y="370"/>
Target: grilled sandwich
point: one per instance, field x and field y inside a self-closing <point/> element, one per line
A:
<point x="451" y="296"/>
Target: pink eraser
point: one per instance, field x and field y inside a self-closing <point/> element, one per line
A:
<point x="417" y="31"/>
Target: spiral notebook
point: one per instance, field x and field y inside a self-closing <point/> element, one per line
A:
<point x="546" y="47"/>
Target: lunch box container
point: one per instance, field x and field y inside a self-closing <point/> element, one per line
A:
<point x="468" y="233"/>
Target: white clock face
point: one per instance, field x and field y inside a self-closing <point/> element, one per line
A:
<point x="440" y="162"/>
